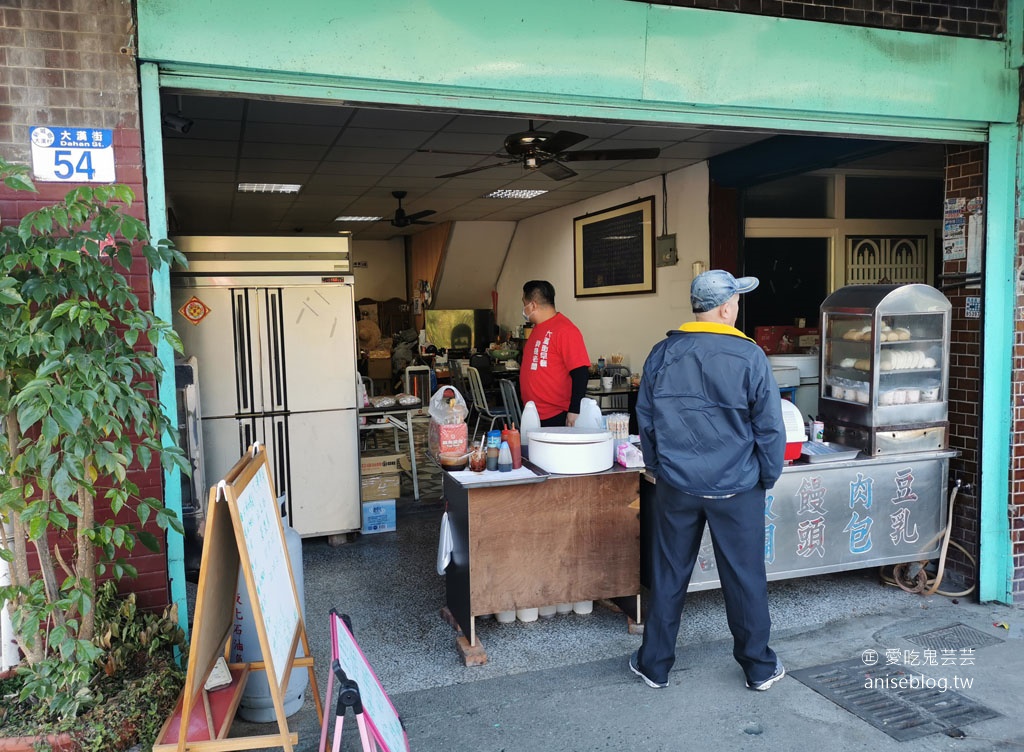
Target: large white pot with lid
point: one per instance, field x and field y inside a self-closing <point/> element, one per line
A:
<point x="571" y="451"/>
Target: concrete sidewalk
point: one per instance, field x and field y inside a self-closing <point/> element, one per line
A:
<point x="565" y="684"/>
<point x="601" y="705"/>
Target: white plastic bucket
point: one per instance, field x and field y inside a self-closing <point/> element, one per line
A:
<point x="568" y="451"/>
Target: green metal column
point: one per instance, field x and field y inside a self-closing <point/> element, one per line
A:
<point x="156" y="208"/>
<point x="995" y="568"/>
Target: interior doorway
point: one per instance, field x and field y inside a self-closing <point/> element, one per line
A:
<point x="794" y="280"/>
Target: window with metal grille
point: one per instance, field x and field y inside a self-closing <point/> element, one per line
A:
<point x="896" y="259"/>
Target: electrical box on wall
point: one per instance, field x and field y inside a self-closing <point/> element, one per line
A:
<point x="665" y="250"/>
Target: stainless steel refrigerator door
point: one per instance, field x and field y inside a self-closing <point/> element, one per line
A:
<point x="325" y="493"/>
<point x="227" y="439"/>
<point x="314" y="461"/>
<point x="308" y="339"/>
<point x="226" y="345"/>
<point x="224" y="441"/>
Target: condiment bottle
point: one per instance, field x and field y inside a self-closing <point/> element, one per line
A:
<point x="505" y="458"/>
<point x="493" y="445"/>
<point x="511" y="435"/>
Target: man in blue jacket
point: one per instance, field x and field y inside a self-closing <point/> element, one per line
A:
<point x="712" y="434"/>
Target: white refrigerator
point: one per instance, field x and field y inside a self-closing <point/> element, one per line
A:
<point x="277" y="355"/>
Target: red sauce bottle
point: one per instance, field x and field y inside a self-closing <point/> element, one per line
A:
<point x="511" y="435"/>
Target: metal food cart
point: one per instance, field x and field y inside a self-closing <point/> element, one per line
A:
<point x="876" y="492"/>
<point x="884" y="368"/>
<point x="832" y="516"/>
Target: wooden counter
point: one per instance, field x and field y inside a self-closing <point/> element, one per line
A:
<point x="567" y="538"/>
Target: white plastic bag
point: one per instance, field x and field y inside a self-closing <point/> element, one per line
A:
<point x="447" y="430"/>
<point x="445" y="544"/>
<point x="438" y="402"/>
<point x="628" y="455"/>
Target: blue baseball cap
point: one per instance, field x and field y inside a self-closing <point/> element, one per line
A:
<point x="712" y="288"/>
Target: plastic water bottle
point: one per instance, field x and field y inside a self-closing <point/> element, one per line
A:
<point x="529" y="422"/>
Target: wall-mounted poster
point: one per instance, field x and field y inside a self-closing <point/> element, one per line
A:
<point x="953" y="229"/>
<point x="615" y="250"/>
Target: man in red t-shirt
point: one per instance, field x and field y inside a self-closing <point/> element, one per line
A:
<point x="555" y="361"/>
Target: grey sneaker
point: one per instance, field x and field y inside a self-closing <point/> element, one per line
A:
<point x="634" y="666"/>
<point x="762" y="686"/>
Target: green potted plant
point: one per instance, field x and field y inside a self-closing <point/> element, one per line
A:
<point x="79" y="405"/>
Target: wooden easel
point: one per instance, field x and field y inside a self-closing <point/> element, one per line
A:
<point x="243" y="529"/>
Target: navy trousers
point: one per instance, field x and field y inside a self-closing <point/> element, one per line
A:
<point x="737" y="533"/>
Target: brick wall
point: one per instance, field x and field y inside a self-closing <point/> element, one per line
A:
<point x="70" y="62"/>
<point x="985" y="19"/>
<point x="1016" y="501"/>
<point x="965" y="178"/>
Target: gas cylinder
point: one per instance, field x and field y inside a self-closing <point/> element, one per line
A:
<point x="256" y="704"/>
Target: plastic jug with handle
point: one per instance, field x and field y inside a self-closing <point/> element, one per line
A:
<point x="529" y="422"/>
<point x="590" y="418"/>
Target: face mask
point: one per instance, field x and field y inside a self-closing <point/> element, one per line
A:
<point x="526" y="316"/>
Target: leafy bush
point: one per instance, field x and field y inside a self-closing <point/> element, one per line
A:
<point x="79" y="364"/>
<point x="133" y="687"/>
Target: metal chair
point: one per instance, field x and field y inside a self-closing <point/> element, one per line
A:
<point x="510" y="399"/>
<point x="459" y="378"/>
<point x="368" y="383"/>
<point x="476" y="390"/>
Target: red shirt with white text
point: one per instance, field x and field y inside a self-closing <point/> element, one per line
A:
<point x="553" y="349"/>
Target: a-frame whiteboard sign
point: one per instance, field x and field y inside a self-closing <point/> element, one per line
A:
<point x="377" y="712"/>
<point x="243" y="529"/>
<point x="267" y="567"/>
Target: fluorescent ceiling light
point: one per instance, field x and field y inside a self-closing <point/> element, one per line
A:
<point x="619" y="237"/>
<point x="269" y="187"/>
<point x="515" y="193"/>
<point x="345" y="218"/>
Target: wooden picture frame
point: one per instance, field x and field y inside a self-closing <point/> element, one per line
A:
<point x="614" y="250"/>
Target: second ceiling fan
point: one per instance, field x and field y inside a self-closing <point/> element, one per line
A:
<point x="546" y="151"/>
<point x="401" y="219"/>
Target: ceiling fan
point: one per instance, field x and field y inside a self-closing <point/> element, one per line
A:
<point x="401" y="219"/>
<point x="546" y="151"/>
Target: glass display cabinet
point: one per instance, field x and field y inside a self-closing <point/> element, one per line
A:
<point x="885" y="368"/>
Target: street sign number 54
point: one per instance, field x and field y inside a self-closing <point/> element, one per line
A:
<point x="72" y="154"/>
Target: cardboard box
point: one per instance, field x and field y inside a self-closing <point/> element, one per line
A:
<point x="383" y="464"/>
<point x="379" y="516"/>
<point x="379" y="368"/>
<point x="378" y="487"/>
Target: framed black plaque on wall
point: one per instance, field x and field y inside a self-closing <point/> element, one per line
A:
<point x="615" y="250"/>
